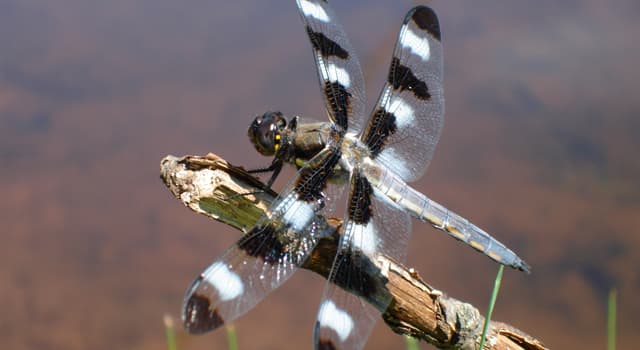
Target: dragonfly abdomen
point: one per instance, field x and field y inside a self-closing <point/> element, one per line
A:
<point x="427" y="210"/>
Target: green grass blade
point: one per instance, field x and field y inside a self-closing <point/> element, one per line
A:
<point x="492" y="303"/>
<point x="232" y="337"/>
<point x="412" y="343"/>
<point x="170" y="332"/>
<point x="611" y="319"/>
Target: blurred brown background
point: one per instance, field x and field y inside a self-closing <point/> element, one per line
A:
<point x="539" y="148"/>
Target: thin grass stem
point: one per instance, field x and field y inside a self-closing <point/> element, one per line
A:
<point x="170" y="332"/>
<point x="411" y="342"/>
<point x="611" y="319"/>
<point x="232" y="337"/>
<point x="492" y="303"/>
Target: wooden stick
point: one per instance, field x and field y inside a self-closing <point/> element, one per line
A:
<point x="211" y="186"/>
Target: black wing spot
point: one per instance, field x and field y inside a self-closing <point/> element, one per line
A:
<point x="357" y="274"/>
<point x="262" y="242"/>
<point x="313" y="177"/>
<point x="382" y="125"/>
<point x="401" y="77"/>
<point x="360" y="210"/>
<point x="339" y="102"/>
<point x="325" y="45"/>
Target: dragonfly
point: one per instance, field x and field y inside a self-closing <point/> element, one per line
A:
<point x="374" y="158"/>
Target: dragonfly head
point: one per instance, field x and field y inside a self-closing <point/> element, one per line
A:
<point x="267" y="133"/>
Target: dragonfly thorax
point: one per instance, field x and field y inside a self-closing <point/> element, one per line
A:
<point x="354" y="151"/>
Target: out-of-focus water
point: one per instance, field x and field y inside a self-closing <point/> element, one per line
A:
<point x="539" y="148"/>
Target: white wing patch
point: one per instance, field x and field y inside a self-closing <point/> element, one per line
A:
<point x="403" y="112"/>
<point x="394" y="162"/>
<point x="313" y="10"/>
<point x="334" y="74"/>
<point x="364" y="238"/>
<point x="332" y="317"/>
<point x="226" y="282"/>
<point x="418" y="45"/>
<point x="298" y="215"/>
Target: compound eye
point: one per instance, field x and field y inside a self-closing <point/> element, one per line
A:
<point x="265" y="132"/>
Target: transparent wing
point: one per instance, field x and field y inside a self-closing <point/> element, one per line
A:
<point x="339" y="72"/>
<point x="405" y="125"/>
<point x="356" y="292"/>
<point x="268" y="255"/>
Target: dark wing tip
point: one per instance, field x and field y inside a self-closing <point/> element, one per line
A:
<point x="523" y="266"/>
<point x="198" y="317"/>
<point x="325" y="344"/>
<point x="425" y="18"/>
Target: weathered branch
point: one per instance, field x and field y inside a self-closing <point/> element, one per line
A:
<point x="211" y="186"/>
